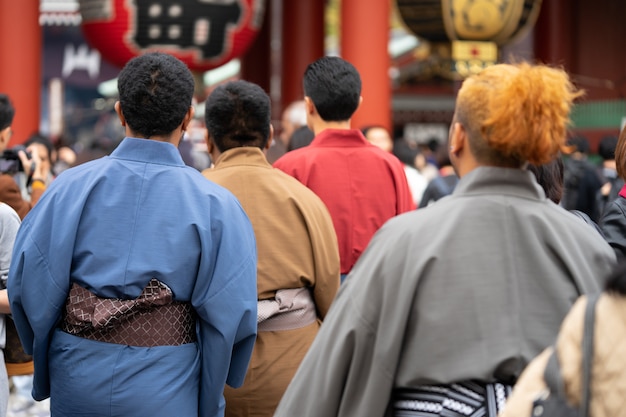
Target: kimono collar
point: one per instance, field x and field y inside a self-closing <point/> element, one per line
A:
<point x="149" y="151"/>
<point x="245" y="155"/>
<point x="495" y="180"/>
<point x="340" y="138"/>
<point x="622" y="192"/>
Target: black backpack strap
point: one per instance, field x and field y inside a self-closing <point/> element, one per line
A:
<point x="587" y="352"/>
<point x="552" y="373"/>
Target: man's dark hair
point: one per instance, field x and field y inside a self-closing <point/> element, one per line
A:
<point x="334" y="86"/>
<point x="580" y="143"/>
<point x="606" y="147"/>
<point x="301" y="137"/>
<point x="156" y="91"/>
<point x="7" y="112"/>
<point x="238" y="114"/>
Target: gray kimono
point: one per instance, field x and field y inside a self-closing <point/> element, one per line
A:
<point x="472" y="287"/>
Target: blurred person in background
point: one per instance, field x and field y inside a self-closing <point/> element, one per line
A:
<point x="612" y="182"/>
<point x="9" y="224"/>
<point x="613" y="221"/>
<point x="35" y="173"/>
<point x="581" y="180"/>
<point x="301" y="137"/>
<point x="443" y="184"/>
<point x="380" y="137"/>
<point x="293" y="117"/>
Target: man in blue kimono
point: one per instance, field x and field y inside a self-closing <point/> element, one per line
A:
<point x="133" y="281"/>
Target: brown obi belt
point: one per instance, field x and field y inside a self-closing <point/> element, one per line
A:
<point x="152" y="319"/>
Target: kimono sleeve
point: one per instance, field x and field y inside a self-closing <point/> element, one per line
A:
<point x="325" y="254"/>
<point x="37" y="300"/>
<point x="225" y="298"/>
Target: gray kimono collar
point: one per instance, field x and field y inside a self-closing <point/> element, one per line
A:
<point x="495" y="180"/>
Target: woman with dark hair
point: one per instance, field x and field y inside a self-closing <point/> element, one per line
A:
<point x="613" y="221"/>
<point x="550" y="178"/>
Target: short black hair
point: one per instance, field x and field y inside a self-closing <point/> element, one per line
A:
<point x="301" y="137"/>
<point x="238" y="113"/>
<point x="334" y="86"/>
<point x="156" y="91"/>
<point x="606" y="147"/>
<point x="7" y="111"/>
<point x="580" y="143"/>
<point x="405" y="152"/>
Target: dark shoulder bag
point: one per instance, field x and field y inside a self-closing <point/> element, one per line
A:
<point x="16" y="360"/>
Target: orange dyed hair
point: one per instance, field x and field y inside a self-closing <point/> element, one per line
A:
<point x="517" y="113"/>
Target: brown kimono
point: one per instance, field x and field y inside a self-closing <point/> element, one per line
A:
<point x="297" y="247"/>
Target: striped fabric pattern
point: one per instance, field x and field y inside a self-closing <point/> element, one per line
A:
<point x="463" y="399"/>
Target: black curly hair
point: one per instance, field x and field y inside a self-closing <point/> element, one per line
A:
<point x="156" y="91"/>
<point x="238" y="114"/>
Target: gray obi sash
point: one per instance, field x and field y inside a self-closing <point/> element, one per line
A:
<point x="290" y="309"/>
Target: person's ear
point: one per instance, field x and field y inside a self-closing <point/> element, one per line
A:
<point x="458" y="138"/>
<point x="209" y="141"/>
<point x="188" y="117"/>
<point x="269" y="140"/>
<point x="309" y="105"/>
<point x="118" y="110"/>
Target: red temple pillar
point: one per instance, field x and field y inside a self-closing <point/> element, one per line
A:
<point x="20" y="70"/>
<point x="302" y="43"/>
<point x="364" y="43"/>
<point x="554" y="37"/>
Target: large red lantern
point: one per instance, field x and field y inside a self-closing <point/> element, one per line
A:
<point x="202" y="33"/>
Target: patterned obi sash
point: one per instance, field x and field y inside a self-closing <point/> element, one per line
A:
<point x="152" y="319"/>
<point x="289" y="309"/>
<point x="463" y="399"/>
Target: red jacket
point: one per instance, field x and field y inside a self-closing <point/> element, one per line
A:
<point x="361" y="185"/>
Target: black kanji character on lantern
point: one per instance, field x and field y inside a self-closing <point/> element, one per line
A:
<point x="185" y="23"/>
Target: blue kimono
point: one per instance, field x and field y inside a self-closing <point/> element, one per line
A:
<point x="110" y="226"/>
